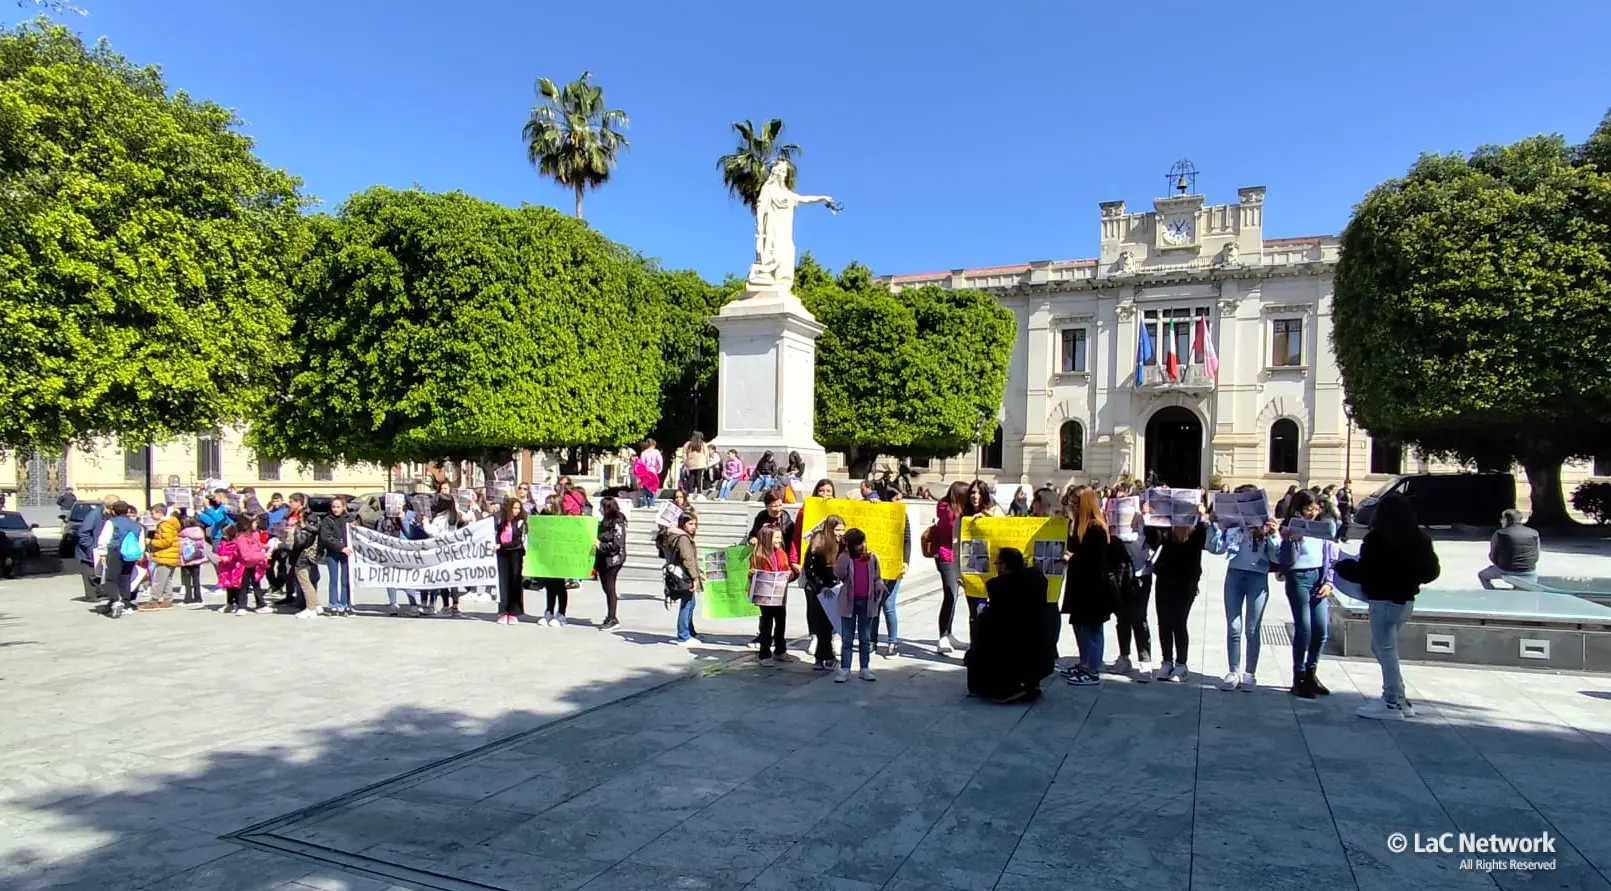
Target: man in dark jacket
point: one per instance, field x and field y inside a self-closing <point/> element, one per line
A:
<point x="89" y="534"/>
<point x="1513" y="551"/>
<point x="67" y="500"/>
<point x="1009" y="654"/>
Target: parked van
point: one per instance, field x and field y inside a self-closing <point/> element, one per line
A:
<point x="1447" y="499"/>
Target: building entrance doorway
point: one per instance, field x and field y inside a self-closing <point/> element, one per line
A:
<point x="1175" y="448"/>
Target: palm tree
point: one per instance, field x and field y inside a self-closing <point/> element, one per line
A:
<point x="572" y="137"/>
<point x="745" y="170"/>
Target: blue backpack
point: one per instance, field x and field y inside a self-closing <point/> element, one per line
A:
<point x="133" y="546"/>
<point x="191" y="551"/>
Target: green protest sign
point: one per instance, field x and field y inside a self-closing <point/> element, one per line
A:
<point x="727" y="583"/>
<point x="559" y="547"/>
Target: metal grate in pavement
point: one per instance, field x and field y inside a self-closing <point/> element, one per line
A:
<point x="1277" y="634"/>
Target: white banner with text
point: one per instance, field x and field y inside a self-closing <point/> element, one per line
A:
<point x="466" y="556"/>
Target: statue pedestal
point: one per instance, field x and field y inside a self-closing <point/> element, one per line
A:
<point x="766" y="398"/>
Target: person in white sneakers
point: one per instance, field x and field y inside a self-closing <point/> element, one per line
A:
<point x="1177" y="570"/>
<point x="861" y="593"/>
<point x="1395" y="559"/>
<point x="1252" y="550"/>
<point x="1131" y="616"/>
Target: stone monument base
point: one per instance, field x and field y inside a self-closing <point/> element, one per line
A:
<point x="766" y="397"/>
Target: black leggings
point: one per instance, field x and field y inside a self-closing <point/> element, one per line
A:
<point x="948" y="593"/>
<point x="511" y="596"/>
<point x="558" y="597"/>
<point x="820" y="626"/>
<point x="607" y="576"/>
<point x="1174" y="608"/>
<point x="1132" y="616"/>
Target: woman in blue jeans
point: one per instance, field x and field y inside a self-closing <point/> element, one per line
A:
<point x="333" y="541"/>
<point x="684" y="577"/>
<point x="1306" y="563"/>
<point x="861" y="593"/>
<point x="1252" y="552"/>
<point x="1395" y="560"/>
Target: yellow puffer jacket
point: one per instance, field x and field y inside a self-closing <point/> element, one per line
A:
<point x="165" y="542"/>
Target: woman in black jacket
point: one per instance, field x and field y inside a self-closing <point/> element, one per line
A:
<point x="817" y="575"/>
<point x="610" y="556"/>
<point x="333" y="541"/>
<point x="1087" y="595"/>
<point x="1395" y="559"/>
<point x="510" y="535"/>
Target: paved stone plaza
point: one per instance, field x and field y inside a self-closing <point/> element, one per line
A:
<point x="188" y="750"/>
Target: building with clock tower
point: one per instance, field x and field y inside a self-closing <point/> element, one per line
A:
<point x="1191" y="350"/>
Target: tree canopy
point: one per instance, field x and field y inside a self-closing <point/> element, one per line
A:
<point x="1472" y="310"/>
<point x="918" y="374"/>
<point x="443" y="326"/>
<point x="689" y="345"/>
<point x="143" y="250"/>
<point x="571" y="137"/>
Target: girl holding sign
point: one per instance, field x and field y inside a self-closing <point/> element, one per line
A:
<point x="770" y="558"/>
<point x="821" y="557"/>
<point x="1307" y="565"/>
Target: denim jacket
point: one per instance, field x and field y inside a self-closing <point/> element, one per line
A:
<point x="1245" y="554"/>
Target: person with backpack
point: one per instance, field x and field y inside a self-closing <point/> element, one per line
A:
<point x="1089" y="598"/>
<point x="121" y="545"/>
<point x="610" y="556"/>
<point x="333" y="542"/>
<point x="164" y="555"/>
<point x="302" y="555"/>
<point x="684" y="579"/>
<point x="192" y="553"/>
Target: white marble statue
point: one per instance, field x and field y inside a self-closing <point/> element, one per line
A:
<point x="774" y="230"/>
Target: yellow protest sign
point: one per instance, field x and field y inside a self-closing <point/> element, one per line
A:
<point x="884" y="523"/>
<point x="1041" y="539"/>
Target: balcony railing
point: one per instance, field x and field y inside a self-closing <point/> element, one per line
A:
<point x="1192" y="377"/>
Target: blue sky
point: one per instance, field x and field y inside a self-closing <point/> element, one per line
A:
<point x="956" y="134"/>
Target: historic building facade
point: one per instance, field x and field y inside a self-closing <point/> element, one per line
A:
<point x="1176" y="278"/>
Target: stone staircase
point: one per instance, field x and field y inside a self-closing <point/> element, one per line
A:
<point x="726" y="523"/>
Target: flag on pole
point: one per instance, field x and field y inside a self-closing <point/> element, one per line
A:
<point x="1143" y="350"/>
<point x="1171" y="359"/>
<point x="1205" y="348"/>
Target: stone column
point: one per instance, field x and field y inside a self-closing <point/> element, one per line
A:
<point x="766" y="396"/>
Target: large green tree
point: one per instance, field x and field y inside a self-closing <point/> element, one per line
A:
<point x="572" y="137"/>
<point x="143" y="250"/>
<point x="746" y="168"/>
<point x="918" y="374"/>
<point x="443" y="326"/>
<point x="1472" y="315"/>
<point x="689" y="345"/>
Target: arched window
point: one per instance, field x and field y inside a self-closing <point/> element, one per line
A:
<point x="1071" y="446"/>
<point x="1284" y="446"/>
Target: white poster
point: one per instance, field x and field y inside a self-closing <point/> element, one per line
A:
<point x="464" y="557"/>
<point x="1173" y="507"/>
<point x="177" y="496"/>
<point x="1312" y="528"/>
<point x="768" y="588"/>
<point x="1233" y="509"/>
<point x="669" y="514"/>
<point x="1121" y="516"/>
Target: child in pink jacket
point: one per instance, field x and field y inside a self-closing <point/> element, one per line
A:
<point x="231" y="571"/>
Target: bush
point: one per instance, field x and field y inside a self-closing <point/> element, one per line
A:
<point x="1594" y="499"/>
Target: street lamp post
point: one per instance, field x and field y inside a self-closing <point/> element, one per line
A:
<point x="1348" y="445"/>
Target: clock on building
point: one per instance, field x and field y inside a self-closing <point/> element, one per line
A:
<point x="1179" y="229"/>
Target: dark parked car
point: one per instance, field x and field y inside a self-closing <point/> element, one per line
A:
<point x="19" y="543"/>
<point x="319" y="505"/>
<point x="1448" y="499"/>
<point x="70" y="522"/>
